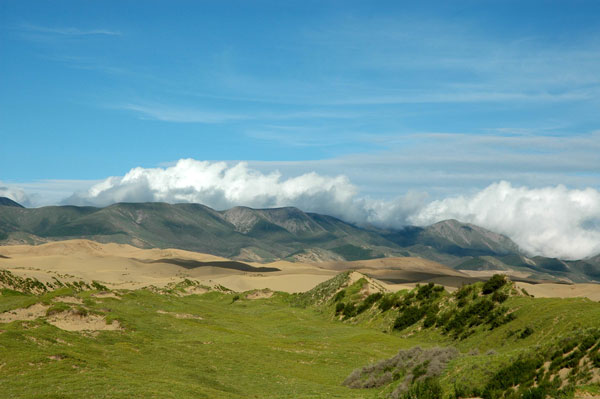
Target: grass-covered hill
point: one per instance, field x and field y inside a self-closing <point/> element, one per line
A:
<point x="280" y="233"/>
<point x="346" y="338"/>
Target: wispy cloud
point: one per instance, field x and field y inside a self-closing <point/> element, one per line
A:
<point x="184" y="114"/>
<point x="68" y="31"/>
<point x="180" y="114"/>
<point x="466" y="96"/>
<point x="450" y="163"/>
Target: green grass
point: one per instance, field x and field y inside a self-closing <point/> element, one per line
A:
<point x="287" y="346"/>
<point x="262" y="348"/>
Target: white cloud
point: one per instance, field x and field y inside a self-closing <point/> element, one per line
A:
<point x="222" y="186"/>
<point x="552" y="221"/>
<point x="14" y="193"/>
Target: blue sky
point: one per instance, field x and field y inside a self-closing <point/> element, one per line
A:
<point x="442" y="97"/>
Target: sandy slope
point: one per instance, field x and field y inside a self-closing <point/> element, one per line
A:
<point x="125" y="266"/>
<point x="591" y="291"/>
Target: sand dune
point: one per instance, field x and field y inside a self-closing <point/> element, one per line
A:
<point x="128" y="267"/>
<point x="124" y="266"/>
<point x="591" y="291"/>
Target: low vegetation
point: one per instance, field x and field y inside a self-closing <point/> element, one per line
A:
<point x="486" y="339"/>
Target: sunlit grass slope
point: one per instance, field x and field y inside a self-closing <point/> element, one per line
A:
<point x="221" y="344"/>
<point x="260" y="348"/>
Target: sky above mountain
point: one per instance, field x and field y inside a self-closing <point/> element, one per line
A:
<point x="378" y="112"/>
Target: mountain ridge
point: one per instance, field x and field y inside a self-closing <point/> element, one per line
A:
<point x="5" y="201"/>
<point x="248" y="234"/>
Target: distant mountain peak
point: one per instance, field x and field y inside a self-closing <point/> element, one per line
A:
<point x="4" y="201"/>
<point x="467" y="235"/>
<point x="291" y="219"/>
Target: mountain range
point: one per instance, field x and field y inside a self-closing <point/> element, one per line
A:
<point x="248" y="234"/>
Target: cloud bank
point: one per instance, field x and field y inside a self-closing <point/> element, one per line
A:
<point x="551" y="221"/>
<point x="221" y="186"/>
<point x="14" y="193"/>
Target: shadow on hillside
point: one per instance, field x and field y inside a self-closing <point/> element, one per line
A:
<point x="228" y="264"/>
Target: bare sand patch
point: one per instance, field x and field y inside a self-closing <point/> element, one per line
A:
<point x="24" y="314"/>
<point x="69" y="299"/>
<point x="489" y="273"/>
<point x="180" y="315"/>
<point x="194" y="290"/>
<point x="74" y="321"/>
<point x="590" y="291"/>
<point x="260" y="294"/>
<point x="105" y="294"/>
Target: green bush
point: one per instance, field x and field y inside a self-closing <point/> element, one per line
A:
<point x="499" y="296"/>
<point x="408" y="317"/>
<point x="493" y="284"/>
<point x="527" y="331"/>
<point x="339" y="307"/>
<point x="339" y="296"/>
<point x="429" y="388"/>
<point x="349" y="310"/>
<point x="368" y="302"/>
<point x="387" y="302"/>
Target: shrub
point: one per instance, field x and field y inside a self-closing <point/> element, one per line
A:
<point x="349" y="310"/>
<point x="368" y="302"/>
<point x="339" y="296"/>
<point x="424" y="291"/>
<point x="499" y="296"/>
<point x="429" y="388"/>
<point x="97" y="286"/>
<point x="416" y="365"/>
<point x="526" y="332"/>
<point x="387" y="302"/>
<point x="493" y="284"/>
<point x="463" y="292"/>
<point x="519" y="372"/>
<point x="408" y="317"/>
<point x="339" y="307"/>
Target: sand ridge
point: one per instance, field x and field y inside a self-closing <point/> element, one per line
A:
<point x="121" y="266"/>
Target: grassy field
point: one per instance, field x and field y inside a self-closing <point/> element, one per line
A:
<point x="222" y="345"/>
<point x="258" y="348"/>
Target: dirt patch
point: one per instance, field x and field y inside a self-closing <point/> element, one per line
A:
<point x="194" y="290"/>
<point x="262" y="294"/>
<point x="69" y="299"/>
<point x="73" y="321"/>
<point x="371" y="287"/>
<point x="30" y="313"/>
<point x="180" y="315"/>
<point x="106" y="294"/>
